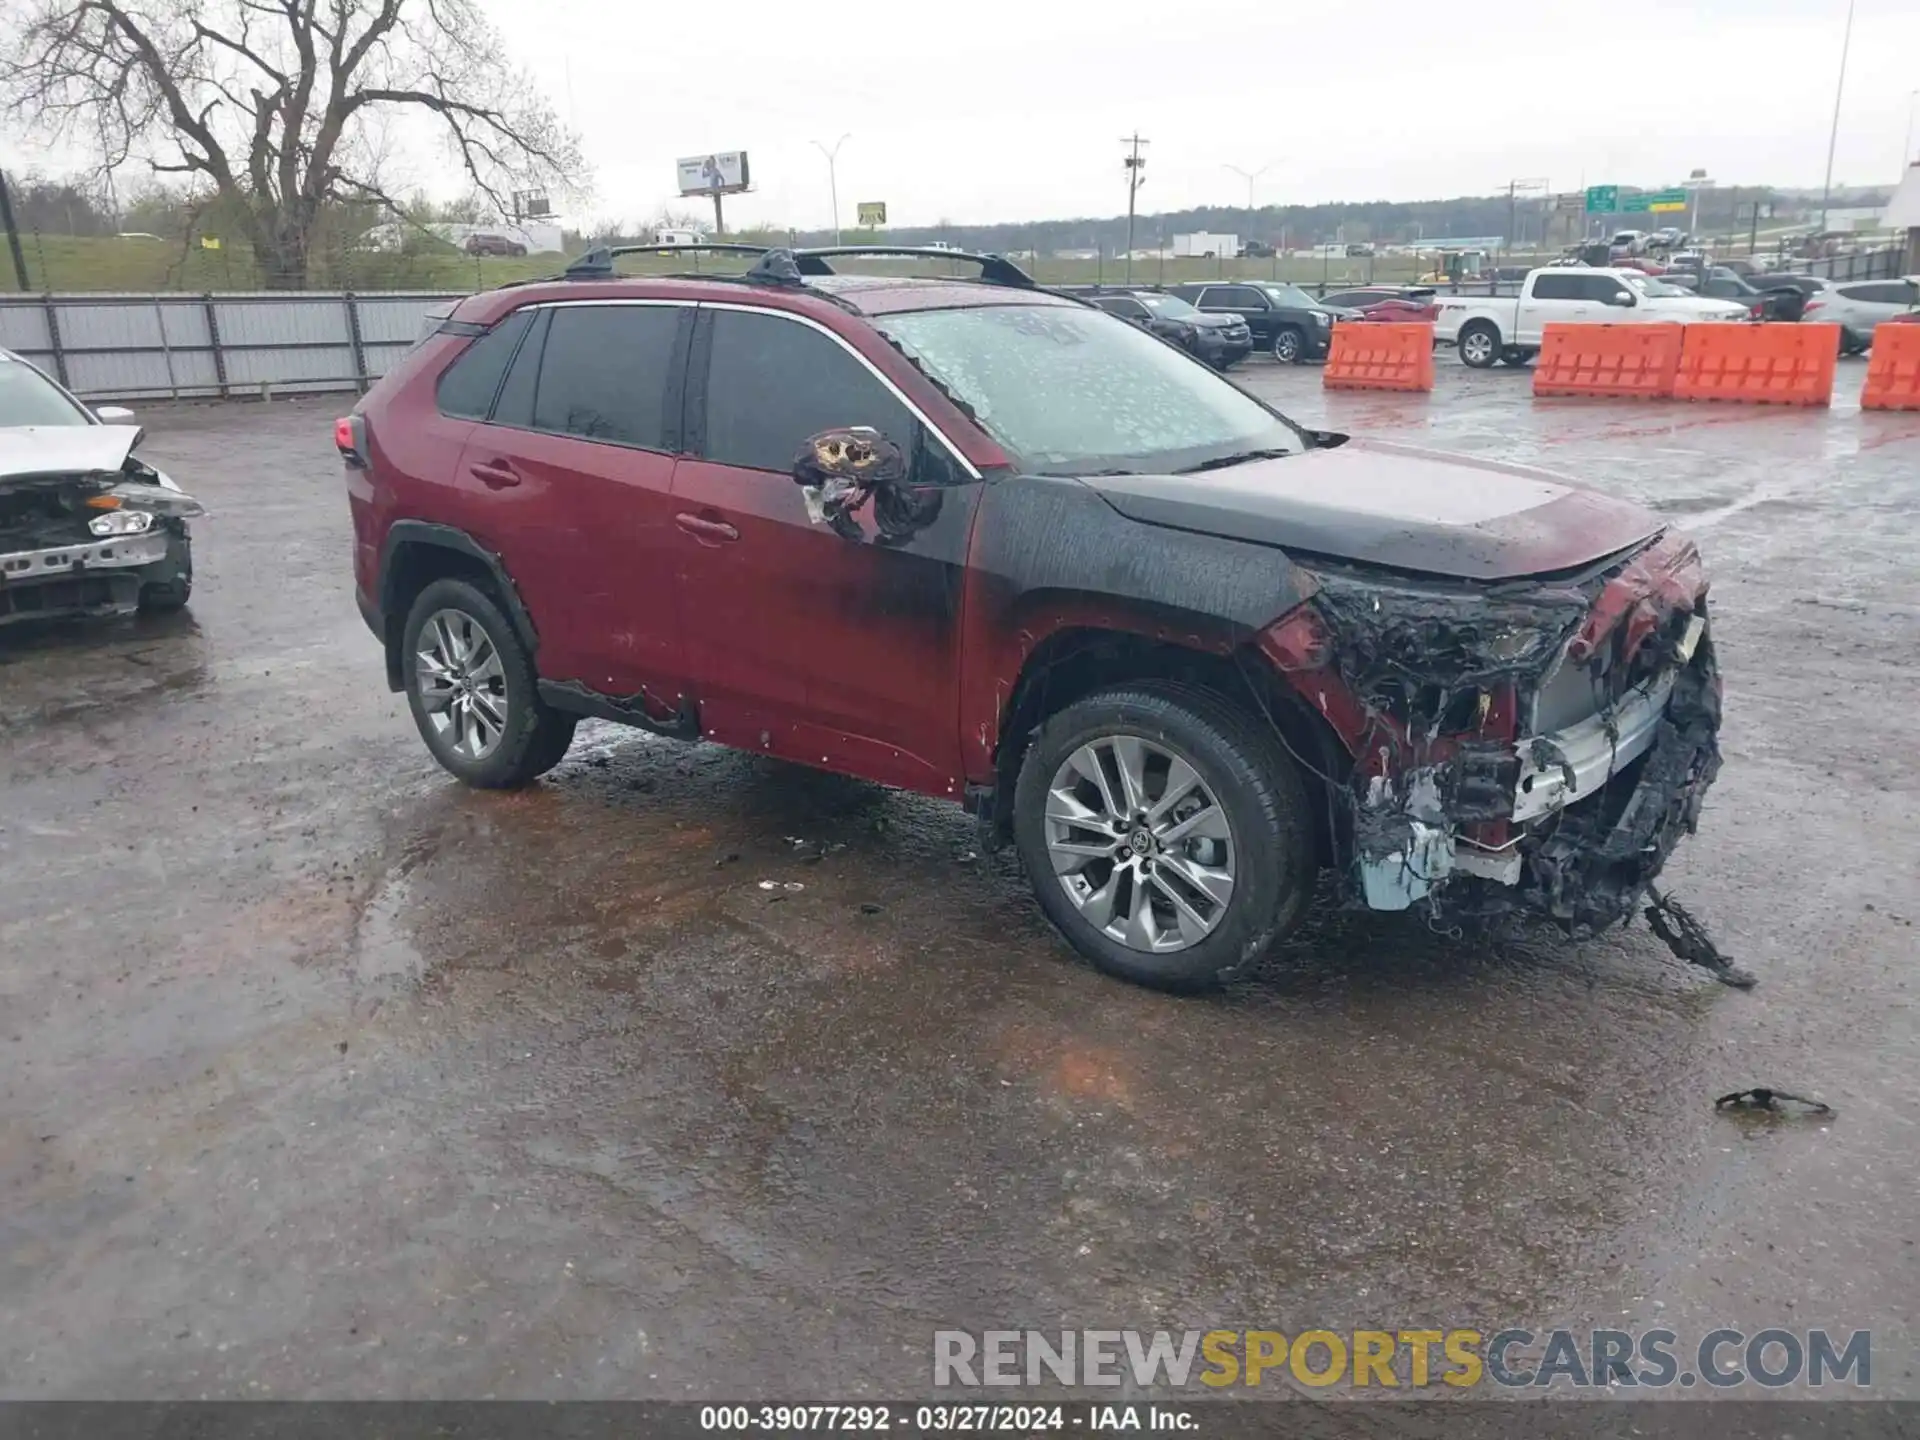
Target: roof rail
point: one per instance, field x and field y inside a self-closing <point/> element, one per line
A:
<point x="994" y="269"/>
<point x="597" y="263"/>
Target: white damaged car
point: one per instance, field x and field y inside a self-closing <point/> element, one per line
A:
<point x="85" y="528"/>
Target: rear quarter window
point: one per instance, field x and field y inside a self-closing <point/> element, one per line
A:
<point x="468" y="386"/>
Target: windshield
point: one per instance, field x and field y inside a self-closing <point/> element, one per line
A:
<point x="28" y="398"/>
<point x="1169" y="307"/>
<point x="1077" y="392"/>
<point x="1291" y="295"/>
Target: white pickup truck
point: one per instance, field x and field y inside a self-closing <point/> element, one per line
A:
<point x="1489" y="328"/>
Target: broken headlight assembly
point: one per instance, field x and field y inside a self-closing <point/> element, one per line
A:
<point x="121" y="522"/>
<point x="1386" y="633"/>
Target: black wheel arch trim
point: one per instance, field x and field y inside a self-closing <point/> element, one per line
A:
<point x="403" y="533"/>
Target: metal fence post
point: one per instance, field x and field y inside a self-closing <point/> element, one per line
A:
<point x="166" y="348"/>
<point x="353" y="338"/>
<point x="213" y="338"/>
<point x="53" y="338"/>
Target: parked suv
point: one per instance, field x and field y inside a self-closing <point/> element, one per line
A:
<point x="989" y="543"/>
<point x="1284" y="320"/>
<point x="1220" y="340"/>
<point x="1859" y="306"/>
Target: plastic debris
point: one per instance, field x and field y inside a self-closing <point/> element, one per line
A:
<point x="1687" y="938"/>
<point x="1760" y="1097"/>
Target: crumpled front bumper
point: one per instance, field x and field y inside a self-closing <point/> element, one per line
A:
<point x="94" y="577"/>
<point x="1598" y="808"/>
<point x="1537" y="747"/>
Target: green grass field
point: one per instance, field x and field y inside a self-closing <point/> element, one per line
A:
<point x="68" y="263"/>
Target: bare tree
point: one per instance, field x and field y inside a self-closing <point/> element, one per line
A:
<point x="283" y="106"/>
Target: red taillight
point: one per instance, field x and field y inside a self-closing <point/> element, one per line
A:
<point x="350" y="439"/>
<point x="1812" y="305"/>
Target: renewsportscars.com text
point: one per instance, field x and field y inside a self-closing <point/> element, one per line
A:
<point x="1412" y="1359"/>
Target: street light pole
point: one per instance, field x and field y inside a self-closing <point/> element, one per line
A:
<point x="1839" y="89"/>
<point x="1249" y="176"/>
<point x="833" y="179"/>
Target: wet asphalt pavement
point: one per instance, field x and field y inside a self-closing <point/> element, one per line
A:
<point x="323" y="1076"/>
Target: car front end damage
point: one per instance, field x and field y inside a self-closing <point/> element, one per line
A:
<point x="91" y="537"/>
<point x="1536" y="745"/>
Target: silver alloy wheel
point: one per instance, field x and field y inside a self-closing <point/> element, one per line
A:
<point x="1139" y="843"/>
<point x="463" y="686"/>
<point x="1286" y="346"/>
<point x="1477" y="347"/>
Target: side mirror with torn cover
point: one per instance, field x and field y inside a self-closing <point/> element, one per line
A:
<point x="843" y="470"/>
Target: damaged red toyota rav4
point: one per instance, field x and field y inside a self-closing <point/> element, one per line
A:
<point x="979" y="540"/>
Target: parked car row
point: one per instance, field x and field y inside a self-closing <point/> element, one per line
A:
<point x="1492" y="328"/>
<point x="1220" y="340"/>
<point x="1222" y="321"/>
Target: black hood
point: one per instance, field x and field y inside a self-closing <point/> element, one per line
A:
<point x="1395" y="506"/>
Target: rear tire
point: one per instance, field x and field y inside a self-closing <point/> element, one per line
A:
<point x="1479" y="344"/>
<point x="473" y="691"/>
<point x="1250" y="820"/>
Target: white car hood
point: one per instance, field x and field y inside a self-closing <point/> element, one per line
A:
<point x="30" y="450"/>
<point x="1705" y="306"/>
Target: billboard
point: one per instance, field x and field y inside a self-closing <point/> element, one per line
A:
<point x="873" y="212"/>
<point x="721" y="172"/>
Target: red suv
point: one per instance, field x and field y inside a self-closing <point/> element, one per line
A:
<point x="984" y="541"/>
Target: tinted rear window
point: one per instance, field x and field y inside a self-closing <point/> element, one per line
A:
<point x="604" y="373"/>
<point x="470" y="383"/>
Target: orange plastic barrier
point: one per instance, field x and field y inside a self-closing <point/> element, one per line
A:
<point x="1759" y="364"/>
<point x="1893" y="373"/>
<point x="1635" y="362"/>
<point x="1380" y="357"/>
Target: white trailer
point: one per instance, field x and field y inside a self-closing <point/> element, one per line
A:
<point x="1210" y="246"/>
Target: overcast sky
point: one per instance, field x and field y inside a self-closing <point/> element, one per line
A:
<point x="996" y="110"/>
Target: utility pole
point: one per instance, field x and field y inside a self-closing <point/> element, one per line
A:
<point x="13" y="233"/>
<point x="1134" y="164"/>
<point x="833" y="179"/>
<point x="1839" y="89"/>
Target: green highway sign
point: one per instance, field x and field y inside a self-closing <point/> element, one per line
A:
<point x="1656" y="201"/>
<point x="1603" y="199"/>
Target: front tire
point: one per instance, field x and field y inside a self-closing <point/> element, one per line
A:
<point x="174" y="585"/>
<point x="1479" y="344"/>
<point x="1289" y="345"/>
<point x="1166" y="834"/>
<point x="473" y="691"/>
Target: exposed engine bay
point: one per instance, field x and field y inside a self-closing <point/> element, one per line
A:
<point x="1539" y="744"/>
